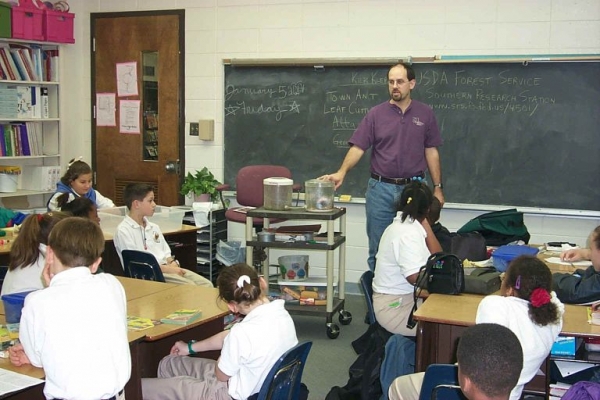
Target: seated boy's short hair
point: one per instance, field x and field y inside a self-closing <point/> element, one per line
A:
<point x="136" y="191"/>
<point x="486" y="349"/>
<point x="77" y="241"/>
<point x="434" y="211"/>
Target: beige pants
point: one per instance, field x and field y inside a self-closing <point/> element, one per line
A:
<point x="190" y="278"/>
<point x="185" y="378"/>
<point x="392" y="312"/>
<point x="406" y="387"/>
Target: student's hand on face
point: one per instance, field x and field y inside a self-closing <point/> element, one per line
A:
<point x="47" y="274"/>
<point x="180" y="349"/>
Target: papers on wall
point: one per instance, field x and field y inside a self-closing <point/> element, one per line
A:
<point x="105" y="109"/>
<point x="129" y="116"/>
<point x="127" y="79"/>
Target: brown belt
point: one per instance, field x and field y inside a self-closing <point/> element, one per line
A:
<point x="396" y="181"/>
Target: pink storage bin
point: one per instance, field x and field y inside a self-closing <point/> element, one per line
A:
<point x="58" y="26"/>
<point x="27" y="21"/>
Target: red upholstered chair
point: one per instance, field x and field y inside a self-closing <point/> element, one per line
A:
<point x="249" y="190"/>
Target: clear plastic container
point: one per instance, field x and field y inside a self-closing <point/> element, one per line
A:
<point x="277" y="193"/>
<point x="319" y="195"/>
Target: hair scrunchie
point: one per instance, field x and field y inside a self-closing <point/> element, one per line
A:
<point x="539" y="297"/>
<point x="242" y="279"/>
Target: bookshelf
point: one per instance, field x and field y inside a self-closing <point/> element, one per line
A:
<point x="30" y="121"/>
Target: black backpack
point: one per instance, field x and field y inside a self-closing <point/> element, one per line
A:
<point x="443" y="273"/>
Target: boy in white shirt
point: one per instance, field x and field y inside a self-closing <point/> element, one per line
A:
<point x="76" y="328"/>
<point x="136" y="232"/>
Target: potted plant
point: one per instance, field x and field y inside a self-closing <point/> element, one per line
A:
<point x="201" y="183"/>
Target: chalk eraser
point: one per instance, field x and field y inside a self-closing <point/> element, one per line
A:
<point x="345" y="197"/>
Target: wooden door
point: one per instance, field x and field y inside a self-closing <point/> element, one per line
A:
<point x="120" y="158"/>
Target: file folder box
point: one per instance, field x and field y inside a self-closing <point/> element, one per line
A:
<point x="5" y="23"/>
<point x="58" y="26"/>
<point x="27" y="21"/>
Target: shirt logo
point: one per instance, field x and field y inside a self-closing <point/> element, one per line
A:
<point x="417" y="122"/>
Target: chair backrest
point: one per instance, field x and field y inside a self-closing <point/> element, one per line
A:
<point x="284" y="378"/>
<point x="366" y="281"/>
<point x="3" y="271"/>
<point x="249" y="182"/>
<point x="141" y="265"/>
<point x="441" y="382"/>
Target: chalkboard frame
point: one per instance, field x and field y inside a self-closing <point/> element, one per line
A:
<point x="362" y="176"/>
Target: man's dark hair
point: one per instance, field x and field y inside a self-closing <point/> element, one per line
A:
<point x="410" y="72"/>
<point x="135" y="191"/>
<point x="491" y="356"/>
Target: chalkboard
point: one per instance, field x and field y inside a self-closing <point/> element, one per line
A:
<point x="519" y="134"/>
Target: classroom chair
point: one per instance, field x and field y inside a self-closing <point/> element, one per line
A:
<point x="250" y="190"/>
<point x="141" y="265"/>
<point x="441" y="382"/>
<point x="250" y="193"/>
<point x="366" y="281"/>
<point x="284" y="378"/>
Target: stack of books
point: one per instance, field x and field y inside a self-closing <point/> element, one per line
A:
<point x="557" y="390"/>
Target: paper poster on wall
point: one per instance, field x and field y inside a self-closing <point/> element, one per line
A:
<point x="129" y="116"/>
<point x="127" y="79"/>
<point x="106" y="109"/>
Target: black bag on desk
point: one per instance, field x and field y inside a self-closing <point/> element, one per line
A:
<point x="469" y="245"/>
<point x="482" y="280"/>
<point x="443" y="273"/>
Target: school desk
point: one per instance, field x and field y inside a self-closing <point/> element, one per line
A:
<point x="184" y="250"/>
<point x="149" y="346"/>
<point x="443" y="318"/>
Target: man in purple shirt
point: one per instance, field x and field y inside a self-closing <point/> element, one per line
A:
<point x="403" y="136"/>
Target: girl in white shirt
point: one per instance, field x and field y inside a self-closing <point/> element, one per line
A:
<point x="404" y="248"/>
<point x="529" y="308"/>
<point x="28" y="253"/>
<point x="248" y="350"/>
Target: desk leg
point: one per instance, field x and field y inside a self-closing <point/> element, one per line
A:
<point x="133" y="388"/>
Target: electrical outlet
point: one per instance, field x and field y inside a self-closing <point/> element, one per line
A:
<point x="194" y="129"/>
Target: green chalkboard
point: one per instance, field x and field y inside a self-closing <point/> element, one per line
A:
<point x="520" y="134"/>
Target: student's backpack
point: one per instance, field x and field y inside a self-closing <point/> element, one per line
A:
<point x="468" y="246"/>
<point x="364" y="382"/>
<point x="443" y="273"/>
<point x="499" y="227"/>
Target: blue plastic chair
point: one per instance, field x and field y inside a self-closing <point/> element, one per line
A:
<point x="284" y="378"/>
<point x="141" y="265"/>
<point x="441" y="382"/>
<point x="366" y="281"/>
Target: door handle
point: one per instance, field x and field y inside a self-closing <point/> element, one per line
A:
<point x="172" y="167"/>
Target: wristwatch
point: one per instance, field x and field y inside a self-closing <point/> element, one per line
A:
<point x="190" y="349"/>
<point x="438" y="185"/>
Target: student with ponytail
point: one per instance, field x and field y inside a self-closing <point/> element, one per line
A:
<point x="248" y="350"/>
<point x="404" y="248"/>
<point x="527" y="306"/>
<point x="28" y="253"/>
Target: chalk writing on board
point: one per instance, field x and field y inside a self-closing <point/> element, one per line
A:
<point x="462" y="91"/>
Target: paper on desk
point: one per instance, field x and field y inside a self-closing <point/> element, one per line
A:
<point x="567" y="368"/>
<point x="11" y="381"/>
<point x="557" y="260"/>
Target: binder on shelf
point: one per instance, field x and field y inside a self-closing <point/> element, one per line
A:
<point x="24" y="102"/>
<point x="44" y="103"/>
<point x="40" y="178"/>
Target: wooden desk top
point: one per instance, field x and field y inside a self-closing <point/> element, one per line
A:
<point x="160" y="304"/>
<point x="461" y="310"/>
<point x="5" y="248"/>
<point x="136" y="288"/>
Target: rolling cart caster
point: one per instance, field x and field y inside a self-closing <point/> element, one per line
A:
<point x="345" y="317"/>
<point x="333" y="331"/>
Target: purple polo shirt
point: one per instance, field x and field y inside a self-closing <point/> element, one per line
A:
<point x="398" y="141"/>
